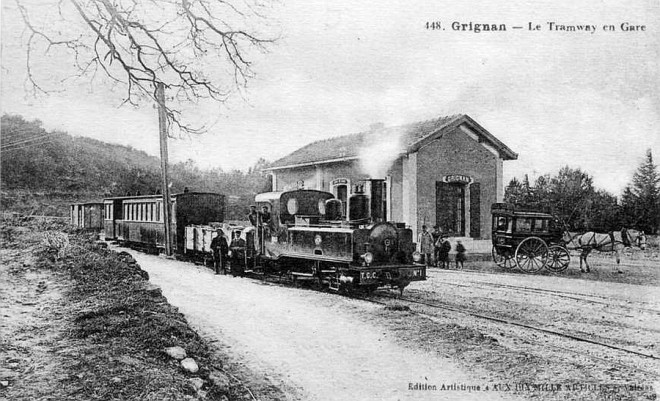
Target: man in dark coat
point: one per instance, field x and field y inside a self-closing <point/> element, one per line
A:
<point x="253" y="216"/>
<point x="443" y="252"/>
<point x="220" y="250"/>
<point x="265" y="215"/>
<point x="460" y="254"/>
<point x="237" y="247"/>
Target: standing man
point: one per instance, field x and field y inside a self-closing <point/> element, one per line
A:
<point x="265" y="215"/>
<point x="460" y="254"/>
<point x="443" y="247"/>
<point x="425" y="242"/>
<point x="253" y="216"/>
<point x="237" y="247"/>
<point x="220" y="250"/>
<point x="436" y="236"/>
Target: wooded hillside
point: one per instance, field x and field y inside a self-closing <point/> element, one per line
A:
<point x="42" y="172"/>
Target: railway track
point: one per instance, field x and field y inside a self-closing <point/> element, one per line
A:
<point x="281" y="281"/>
<point x="275" y="280"/>
<point x="536" y="328"/>
<point x="591" y="298"/>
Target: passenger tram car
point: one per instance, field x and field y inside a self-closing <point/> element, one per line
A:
<point x="138" y="221"/>
<point x="87" y="215"/>
<point x="307" y="238"/>
<point x="527" y="239"/>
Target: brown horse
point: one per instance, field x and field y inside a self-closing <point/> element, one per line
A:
<point x="614" y="241"/>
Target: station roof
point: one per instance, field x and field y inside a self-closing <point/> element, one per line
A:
<point x="348" y="147"/>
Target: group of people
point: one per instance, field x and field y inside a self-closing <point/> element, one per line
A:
<point x="435" y="248"/>
<point x="221" y="248"/>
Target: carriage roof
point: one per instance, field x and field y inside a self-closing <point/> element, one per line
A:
<point x="509" y="210"/>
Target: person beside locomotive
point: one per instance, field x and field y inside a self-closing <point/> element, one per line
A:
<point x="436" y="236"/>
<point x="237" y="248"/>
<point x="425" y="242"/>
<point x="443" y="246"/>
<point x="265" y="216"/>
<point x="253" y="216"/>
<point x="460" y="254"/>
<point x="220" y="250"/>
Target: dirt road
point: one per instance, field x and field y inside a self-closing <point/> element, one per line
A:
<point x="316" y="343"/>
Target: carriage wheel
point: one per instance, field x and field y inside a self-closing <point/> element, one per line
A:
<point x="505" y="261"/>
<point x="559" y="258"/>
<point x="532" y="254"/>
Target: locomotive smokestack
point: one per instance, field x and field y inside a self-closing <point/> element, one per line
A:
<point x="376" y="199"/>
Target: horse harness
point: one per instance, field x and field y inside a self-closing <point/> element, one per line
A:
<point x="625" y="240"/>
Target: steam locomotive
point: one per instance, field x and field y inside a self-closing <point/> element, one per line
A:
<point x="305" y="238"/>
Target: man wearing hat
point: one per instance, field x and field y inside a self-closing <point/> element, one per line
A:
<point x="253" y="216"/>
<point x="425" y="241"/>
<point x="220" y="252"/>
<point x="436" y="251"/>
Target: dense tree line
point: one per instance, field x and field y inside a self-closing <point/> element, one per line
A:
<point x="571" y="196"/>
<point x="35" y="160"/>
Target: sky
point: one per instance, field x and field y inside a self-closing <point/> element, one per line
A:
<point x="588" y="100"/>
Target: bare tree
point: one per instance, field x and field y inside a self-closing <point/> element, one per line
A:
<point x="199" y="49"/>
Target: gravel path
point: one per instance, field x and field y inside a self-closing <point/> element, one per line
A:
<point x="308" y="340"/>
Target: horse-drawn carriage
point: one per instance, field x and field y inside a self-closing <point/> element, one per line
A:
<point x="529" y="240"/>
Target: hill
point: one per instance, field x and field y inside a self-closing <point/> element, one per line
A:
<point x="43" y="172"/>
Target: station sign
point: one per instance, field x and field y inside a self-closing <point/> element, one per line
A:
<point x="339" y="181"/>
<point x="458" y="178"/>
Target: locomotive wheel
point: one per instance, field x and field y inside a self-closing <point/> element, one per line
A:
<point x="507" y="262"/>
<point x="558" y="259"/>
<point x="532" y="254"/>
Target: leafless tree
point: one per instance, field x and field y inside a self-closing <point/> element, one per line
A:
<point x="199" y="49"/>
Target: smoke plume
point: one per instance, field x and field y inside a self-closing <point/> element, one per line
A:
<point x="379" y="151"/>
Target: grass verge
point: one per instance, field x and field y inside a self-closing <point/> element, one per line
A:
<point x="105" y="337"/>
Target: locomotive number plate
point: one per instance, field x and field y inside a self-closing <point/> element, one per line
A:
<point x="412" y="273"/>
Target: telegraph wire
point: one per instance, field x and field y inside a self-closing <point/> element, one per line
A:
<point x="27" y="140"/>
<point x="25" y="146"/>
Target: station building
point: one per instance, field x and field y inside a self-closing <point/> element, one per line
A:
<point x="445" y="171"/>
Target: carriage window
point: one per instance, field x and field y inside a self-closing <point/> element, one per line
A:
<point x="541" y="225"/>
<point x="523" y="225"/>
<point x="501" y="223"/>
<point x="322" y="206"/>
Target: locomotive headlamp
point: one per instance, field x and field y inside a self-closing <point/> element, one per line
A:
<point x="417" y="257"/>
<point x="318" y="239"/>
<point x="368" y="258"/>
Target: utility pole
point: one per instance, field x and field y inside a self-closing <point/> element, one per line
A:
<point x="162" y="126"/>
